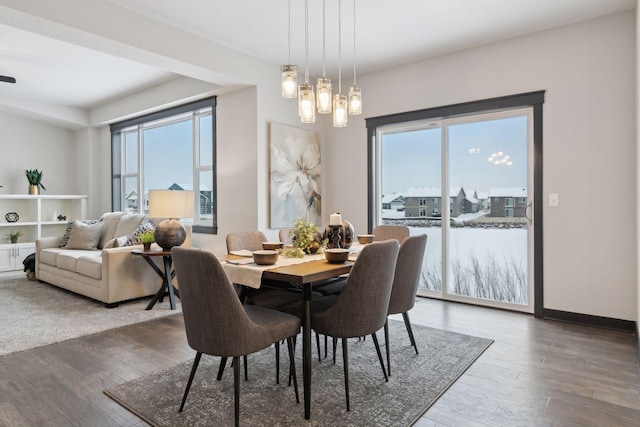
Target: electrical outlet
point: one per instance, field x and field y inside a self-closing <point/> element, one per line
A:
<point x="553" y="200"/>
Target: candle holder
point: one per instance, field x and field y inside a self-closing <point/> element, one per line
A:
<point x="339" y="236"/>
<point x="334" y="235"/>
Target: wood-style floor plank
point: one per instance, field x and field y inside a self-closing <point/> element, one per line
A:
<point x="537" y="373"/>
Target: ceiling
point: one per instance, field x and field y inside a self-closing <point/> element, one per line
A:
<point x="387" y="33"/>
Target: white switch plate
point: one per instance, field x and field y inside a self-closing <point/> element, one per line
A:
<point x="553" y="200"/>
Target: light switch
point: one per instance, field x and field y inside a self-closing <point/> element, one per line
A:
<point x="553" y="200"/>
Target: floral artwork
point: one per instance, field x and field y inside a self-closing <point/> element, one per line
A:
<point x="295" y="175"/>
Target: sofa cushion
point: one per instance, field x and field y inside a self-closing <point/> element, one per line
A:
<point x="70" y="226"/>
<point x="84" y="236"/>
<point x="128" y="224"/>
<point x="49" y="256"/>
<point x="110" y="223"/>
<point x="90" y="266"/>
<point x="67" y="259"/>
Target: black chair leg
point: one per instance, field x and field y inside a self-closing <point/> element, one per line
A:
<point x="375" y="341"/>
<point x="407" y="324"/>
<point x="223" y="363"/>
<point x="193" y="373"/>
<point x="325" y="346"/>
<point x="292" y="367"/>
<point x="345" y="362"/>
<point x="236" y="388"/>
<point x="277" y="344"/>
<point x="318" y="345"/>
<point x="386" y="345"/>
<point x="246" y="373"/>
<point x="335" y="345"/>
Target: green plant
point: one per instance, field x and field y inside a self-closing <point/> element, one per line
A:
<point x="13" y="235"/>
<point x="34" y="176"/>
<point x="305" y="235"/>
<point x="148" y="236"/>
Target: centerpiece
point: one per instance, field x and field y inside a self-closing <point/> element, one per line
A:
<point x="306" y="238"/>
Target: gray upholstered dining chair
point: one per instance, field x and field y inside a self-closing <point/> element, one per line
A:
<point x="218" y="324"/>
<point x="386" y="232"/>
<point x="405" y="286"/>
<point x="361" y="308"/>
<point x="285" y="237"/>
<point x="250" y="240"/>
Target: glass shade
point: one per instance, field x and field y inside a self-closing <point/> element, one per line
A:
<point x="306" y="103"/>
<point x="355" y="100"/>
<point x="289" y="81"/>
<point x="323" y="94"/>
<point x="339" y="110"/>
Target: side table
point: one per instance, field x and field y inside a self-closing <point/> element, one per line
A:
<point x="166" y="276"/>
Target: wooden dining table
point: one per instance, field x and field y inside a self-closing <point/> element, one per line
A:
<point x="304" y="274"/>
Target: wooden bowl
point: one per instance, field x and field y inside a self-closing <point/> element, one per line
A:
<point x="272" y="246"/>
<point x="265" y="257"/>
<point x="365" y="238"/>
<point x="337" y="255"/>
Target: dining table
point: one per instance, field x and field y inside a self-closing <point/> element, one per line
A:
<point x="302" y="272"/>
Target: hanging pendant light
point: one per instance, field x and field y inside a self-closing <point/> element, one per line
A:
<point x="306" y="99"/>
<point x="289" y="71"/>
<point x="323" y="86"/>
<point x="355" y="93"/>
<point x="339" y="100"/>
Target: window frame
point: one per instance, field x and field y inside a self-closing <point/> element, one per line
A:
<point x="118" y="174"/>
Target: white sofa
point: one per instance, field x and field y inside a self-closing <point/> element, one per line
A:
<point x="108" y="274"/>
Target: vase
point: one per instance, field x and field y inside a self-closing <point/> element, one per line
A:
<point x="34" y="189"/>
<point x="146" y="247"/>
<point x="14" y="240"/>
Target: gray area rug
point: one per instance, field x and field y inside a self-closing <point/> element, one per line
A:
<point x="34" y="314"/>
<point x="416" y="382"/>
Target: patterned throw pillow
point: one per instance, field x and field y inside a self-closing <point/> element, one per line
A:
<point x="134" y="238"/>
<point x="70" y="225"/>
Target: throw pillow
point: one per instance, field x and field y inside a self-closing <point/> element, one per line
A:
<point x="70" y="225"/>
<point x="84" y="236"/>
<point x="134" y="238"/>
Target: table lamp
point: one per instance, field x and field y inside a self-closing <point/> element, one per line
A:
<point x="173" y="205"/>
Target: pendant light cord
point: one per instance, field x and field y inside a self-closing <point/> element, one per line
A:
<point x="289" y="35"/>
<point x="354" y="43"/>
<point x="339" y="46"/>
<point x="306" y="41"/>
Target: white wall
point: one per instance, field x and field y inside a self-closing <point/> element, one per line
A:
<point x="587" y="70"/>
<point x="31" y="144"/>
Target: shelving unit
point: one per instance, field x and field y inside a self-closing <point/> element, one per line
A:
<point x="37" y="218"/>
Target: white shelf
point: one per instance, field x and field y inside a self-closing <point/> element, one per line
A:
<point x="36" y="213"/>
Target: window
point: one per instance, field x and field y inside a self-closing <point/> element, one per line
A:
<point x="508" y="202"/>
<point x="508" y="212"/>
<point x="522" y="200"/>
<point x="170" y="149"/>
<point x="422" y="212"/>
<point x="434" y="200"/>
<point x="423" y="202"/>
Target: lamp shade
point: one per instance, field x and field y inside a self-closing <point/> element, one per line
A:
<point x="170" y="204"/>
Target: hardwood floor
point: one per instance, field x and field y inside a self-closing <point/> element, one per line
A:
<point x="537" y="373"/>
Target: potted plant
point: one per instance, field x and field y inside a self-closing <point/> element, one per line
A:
<point x="34" y="176"/>
<point x="147" y="238"/>
<point x="13" y="236"/>
<point x="305" y="235"/>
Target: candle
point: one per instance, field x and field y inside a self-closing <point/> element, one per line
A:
<point x="335" y="219"/>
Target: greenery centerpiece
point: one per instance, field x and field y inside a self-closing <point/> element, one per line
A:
<point x="34" y="176"/>
<point x="13" y="236"/>
<point x="306" y="238"/>
<point x="147" y="238"/>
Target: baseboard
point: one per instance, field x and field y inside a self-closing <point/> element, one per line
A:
<point x="590" y="320"/>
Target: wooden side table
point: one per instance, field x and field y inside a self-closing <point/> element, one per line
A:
<point x="166" y="276"/>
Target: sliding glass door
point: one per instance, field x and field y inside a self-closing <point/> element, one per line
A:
<point x="466" y="182"/>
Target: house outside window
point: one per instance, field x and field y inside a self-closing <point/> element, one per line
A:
<point x="170" y="149"/>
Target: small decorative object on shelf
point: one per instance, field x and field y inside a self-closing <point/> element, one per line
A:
<point x="34" y="176"/>
<point x="12" y="217"/>
<point x="13" y="236"/>
<point x="62" y="217"/>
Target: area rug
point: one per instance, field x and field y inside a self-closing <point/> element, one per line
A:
<point x="416" y="383"/>
<point x="34" y="314"/>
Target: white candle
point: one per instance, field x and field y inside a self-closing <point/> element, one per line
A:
<point x="335" y="219"/>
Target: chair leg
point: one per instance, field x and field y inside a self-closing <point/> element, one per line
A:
<point x="407" y="324"/>
<point x="318" y="345"/>
<point x="236" y="388"/>
<point x="223" y="363"/>
<point x="246" y="373"/>
<point x="345" y="362"/>
<point x="193" y="373"/>
<point x="325" y="346"/>
<point x="386" y="345"/>
<point x="292" y="367"/>
<point x="277" y="344"/>
<point x="375" y="341"/>
<point x="335" y="345"/>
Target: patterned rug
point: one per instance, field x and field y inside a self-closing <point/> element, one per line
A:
<point x="416" y="383"/>
<point x="35" y="314"/>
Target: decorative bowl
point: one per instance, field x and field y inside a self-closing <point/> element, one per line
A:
<point x="336" y="255"/>
<point x="272" y="246"/>
<point x="265" y="257"/>
<point x="365" y="238"/>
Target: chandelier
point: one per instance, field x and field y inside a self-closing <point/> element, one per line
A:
<point x="322" y="101"/>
